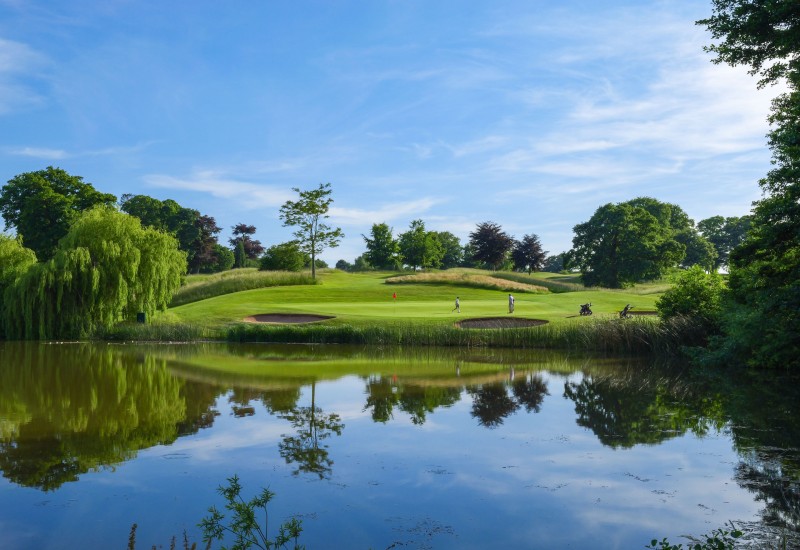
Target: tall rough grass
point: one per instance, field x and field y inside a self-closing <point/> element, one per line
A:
<point x="156" y="332"/>
<point x="236" y="281"/>
<point x="553" y="285"/>
<point x="618" y="336"/>
<point x="472" y="280"/>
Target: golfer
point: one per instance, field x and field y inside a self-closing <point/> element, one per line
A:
<point x="458" y="306"/>
<point x="510" y="303"/>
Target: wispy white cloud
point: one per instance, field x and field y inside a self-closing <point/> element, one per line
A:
<point x="247" y="195"/>
<point x="18" y="61"/>
<point x="39" y="152"/>
<point x="400" y="210"/>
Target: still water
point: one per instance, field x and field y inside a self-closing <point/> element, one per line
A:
<point x="388" y="448"/>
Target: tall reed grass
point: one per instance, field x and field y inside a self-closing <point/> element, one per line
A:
<point x="157" y="332"/>
<point x="618" y="336"/>
<point x="472" y="280"/>
<point x="236" y="281"/>
<point x="553" y="285"/>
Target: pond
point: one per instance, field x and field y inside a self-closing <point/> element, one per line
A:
<point x="388" y="448"/>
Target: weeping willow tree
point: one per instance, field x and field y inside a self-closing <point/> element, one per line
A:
<point x="15" y="260"/>
<point x="106" y="269"/>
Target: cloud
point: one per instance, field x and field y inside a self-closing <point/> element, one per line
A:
<point x="383" y="213"/>
<point x="249" y="195"/>
<point x="17" y="63"/>
<point x="39" y="152"/>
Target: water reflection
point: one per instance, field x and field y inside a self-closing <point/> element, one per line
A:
<point x="66" y="410"/>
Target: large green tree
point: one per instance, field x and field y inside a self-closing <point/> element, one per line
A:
<point x="452" y="251"/>
<point x="196" y="233"/>
<point x="528" y="254"/>
<point x="106" y="269"/>
<point x="308" y="215"/>
<point x="420" y="247"/>
<point x="42" y="205"/>
<point x="724" y="234"/>
<point x="283" y="257"/>
<point x="623" y="244"/>
<point x="382" y="249"/>
<point x="490" y="244"/>
<point x="762" y="325"/>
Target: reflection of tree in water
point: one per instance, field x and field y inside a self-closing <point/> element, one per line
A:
<point x="71" y="409"/>
<point x="632" y="409"/>
<point x="385" y="393"/>
<point x="765" y="427"/>
<point x="305" y="448"/>
<point x="492" y="404"/>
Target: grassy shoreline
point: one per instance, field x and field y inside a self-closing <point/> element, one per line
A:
<point x="638" y="336"/>
<point x="367" y="309"/>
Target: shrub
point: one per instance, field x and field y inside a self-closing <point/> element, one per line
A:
<point x="696" y="294"/>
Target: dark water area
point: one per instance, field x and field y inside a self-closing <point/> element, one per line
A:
<point x="389" y="448"/>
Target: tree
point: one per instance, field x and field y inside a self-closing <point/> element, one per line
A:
<point x="224" y="260"/>
<point x="490" y="244"/>
<point x="554" y="264"/>
<point x="763" y="327"/>
<point x="623" y="244"/>
<point x="724" y="234"/>
<point x="196" y="233"/>
<point x="239" y="255"/>
<point x="695" y="294"/>
<point x="528" y="254"/>
<point x="42" y="206"/>
<point x="382" y="249"/>
<point x="243" y="233"/>
<point x="106" y="269"/>
<point x="699" y="251"/>
<point x="344" y="265"/>
<point x="452" y="251"/>
<point x="283" y="257"/>
<point x="308" y="215"/>
<point x="419" y="247"/>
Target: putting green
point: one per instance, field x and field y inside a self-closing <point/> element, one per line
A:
<point x="366" y="298"/>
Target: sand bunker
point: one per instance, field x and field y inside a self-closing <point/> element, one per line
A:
<point x="500" y="322"/>
<point x="286" y="318"/>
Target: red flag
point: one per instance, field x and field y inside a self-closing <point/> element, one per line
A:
<point x="394" y="295"/>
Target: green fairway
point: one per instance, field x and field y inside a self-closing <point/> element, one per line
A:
<point x="366" y="299"/>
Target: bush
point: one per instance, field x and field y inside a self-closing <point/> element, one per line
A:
<point x="283" y="257"/>
<point x="695" y="294"/>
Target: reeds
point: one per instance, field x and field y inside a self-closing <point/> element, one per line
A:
<point x="156" y="332"/>
<point x="472" y="280"/>
<point x="553" y="285"/>
<point x="235" y="281"/>
<point x="618" y="336"/>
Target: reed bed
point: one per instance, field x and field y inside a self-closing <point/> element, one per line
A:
<point x="553" y="285"/>
<point x="618" y="336"/>
<point x="469" y="280"/>
<point x="157" y="332"/>
<point x="235" y="281"/>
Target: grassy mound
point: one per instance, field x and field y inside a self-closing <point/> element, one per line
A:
<point x="469" y="280"/>
<point x="201" y="287"/>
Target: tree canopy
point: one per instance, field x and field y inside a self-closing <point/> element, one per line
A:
<point x="625" y="243"/>
<point x="106" y="269"/>
<point x="528" y="254"/>
<point x="308" y="215"/>
<point x="763" y="326"/>
<point x="420" y="247"/>
<point x="490" y="244"/>
<point x="42" y="205"/>
<point x="195" y="232"/>
<point x="243" y="233"/>
<point x="382" y="248"/>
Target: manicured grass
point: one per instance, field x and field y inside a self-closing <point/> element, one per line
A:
<point x="363" y="299"/>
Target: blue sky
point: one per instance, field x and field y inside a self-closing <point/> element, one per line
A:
<point x="527" y="113"/>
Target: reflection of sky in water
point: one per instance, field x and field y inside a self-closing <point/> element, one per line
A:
<point x="538" y="480"/>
